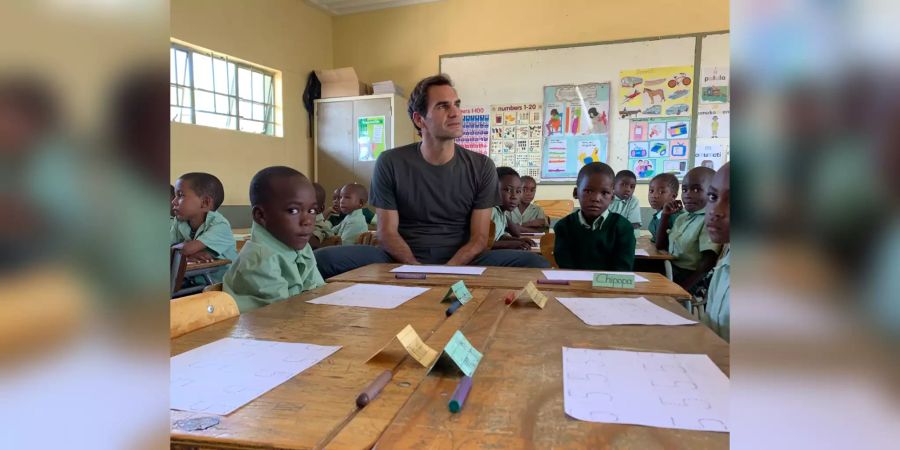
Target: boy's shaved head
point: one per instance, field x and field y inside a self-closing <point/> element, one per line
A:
<point x="701" y="175"/>
<point x="320" y="196"/>
<point x="669" y="179"/>
<point x="206" y="184"/>
<point x="261" y="184"/>
<point x="359" y="190"/>
<point x="592" y="168"/>
<point x="625" y="174"/>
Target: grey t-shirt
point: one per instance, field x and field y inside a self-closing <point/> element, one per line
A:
<point x="434" y="203"/>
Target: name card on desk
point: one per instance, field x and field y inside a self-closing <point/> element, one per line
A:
<point x="413" y="344"/>
<point x="531" y="293"/>
<point x="458" y="291"/>
<point x="615" y="281"/>
<point x="459" y="355"/>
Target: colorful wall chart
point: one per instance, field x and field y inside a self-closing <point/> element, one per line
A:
<point x="370" y="136"/>
<point x="656" y="92"/>
<point x="659" y="145"/>
<point x="575" y="129"/>
<point x="516" y="137"/>
<point x="476" y="129"/>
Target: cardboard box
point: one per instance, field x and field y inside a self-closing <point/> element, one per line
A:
<point x="341" y="82"/>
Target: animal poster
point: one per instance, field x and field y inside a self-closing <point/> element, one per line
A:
<point x="476" y="129"/>
<point x="714" y="85"/>
<point x="659" y="145"/>
<point x="656" y="92"/>
<point x="515" y="137"/>
<point x="575" y="129"/>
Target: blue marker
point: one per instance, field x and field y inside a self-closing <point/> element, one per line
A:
<point x="453" y="307"/>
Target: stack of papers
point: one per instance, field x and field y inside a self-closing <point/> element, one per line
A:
<point x="386" y="87"/>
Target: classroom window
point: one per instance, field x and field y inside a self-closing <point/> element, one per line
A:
<point x="212" y="90"/>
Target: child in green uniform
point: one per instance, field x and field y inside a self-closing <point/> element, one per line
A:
<point x="624" y="202"/>
<point x="277" y="262"/>
<point x="593" y="238"/>
<point x="717" y="313"/>
<point x="527" y="215"/>
<point x="688" y="240"/>
<point x="352" y="203"/>
<point x="197" y="229"/>
<point x="507" y="234"/>
<point x="663" y="189"/>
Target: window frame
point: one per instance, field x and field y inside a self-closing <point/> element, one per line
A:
<point x="269" y="121"/>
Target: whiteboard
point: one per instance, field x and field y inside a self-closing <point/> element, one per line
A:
<point x="519" y="76"/>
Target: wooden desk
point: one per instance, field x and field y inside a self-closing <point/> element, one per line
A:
<point x="516" y="399"/>
<point x="307" y="410"/>
<point x="195" y="268"/>
<point x="509" y="278"/>
<point x="644" y="243"/>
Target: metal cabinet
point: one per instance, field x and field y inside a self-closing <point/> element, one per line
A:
<point x="342" y="155"/>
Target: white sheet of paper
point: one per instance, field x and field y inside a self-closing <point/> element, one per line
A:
<point x="621" y="311"/>
<point x="370" y="296"/>
<point x="665" y="390"/>
<point x="640" y="252"/>
<point x="578" y="275"/>
<point x="453" y="270"/>
<point x="224" y="375"/>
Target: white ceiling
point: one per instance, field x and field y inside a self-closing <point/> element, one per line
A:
<point x="340" y="7"/>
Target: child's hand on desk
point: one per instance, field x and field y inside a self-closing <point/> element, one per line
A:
<point x="200" y="257"/>
<point x="672" y="207"/>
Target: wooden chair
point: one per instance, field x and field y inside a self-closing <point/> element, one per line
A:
<point x="556" y="209"/>
<point x="177" y="266"/>
<point x="213" y="287"/>
<point x="240" y="244"/>
<point x="492" y="232"/>
<point x="367" y="238"/>
<point x="547" y="242"/>
<point x="196" y="311"/>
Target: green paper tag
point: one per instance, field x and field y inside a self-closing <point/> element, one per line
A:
<point x="460" y="291"/>
<point x="463" y="354"/>
<point x="615" y="281"/>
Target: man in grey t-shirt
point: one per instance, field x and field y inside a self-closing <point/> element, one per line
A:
<point x="433" y="199"/>
<point x="434" y="204"/>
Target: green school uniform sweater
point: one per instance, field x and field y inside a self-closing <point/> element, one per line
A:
<point x="607" y="246"/>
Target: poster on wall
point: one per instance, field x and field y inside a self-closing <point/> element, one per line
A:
<point x="656" y="92"/>
<point x="713" y="121"/>
<point x="713" y="133"/>
<point x="370" y="136"/>
<point x="476" y="123"/>
<point x="515" y="138"/>
<point x="575" y="129"/>
<point x="714" y="85"/>
<point x="659" y="145"/>
<point x="712" y="153"/>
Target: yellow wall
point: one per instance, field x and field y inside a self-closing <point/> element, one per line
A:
<point x="285" y="35"/>
<point x="403" y="44"/>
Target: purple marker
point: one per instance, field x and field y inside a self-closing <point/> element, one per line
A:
<point x="460" y="394"/>
<point x="410" y="276"/>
